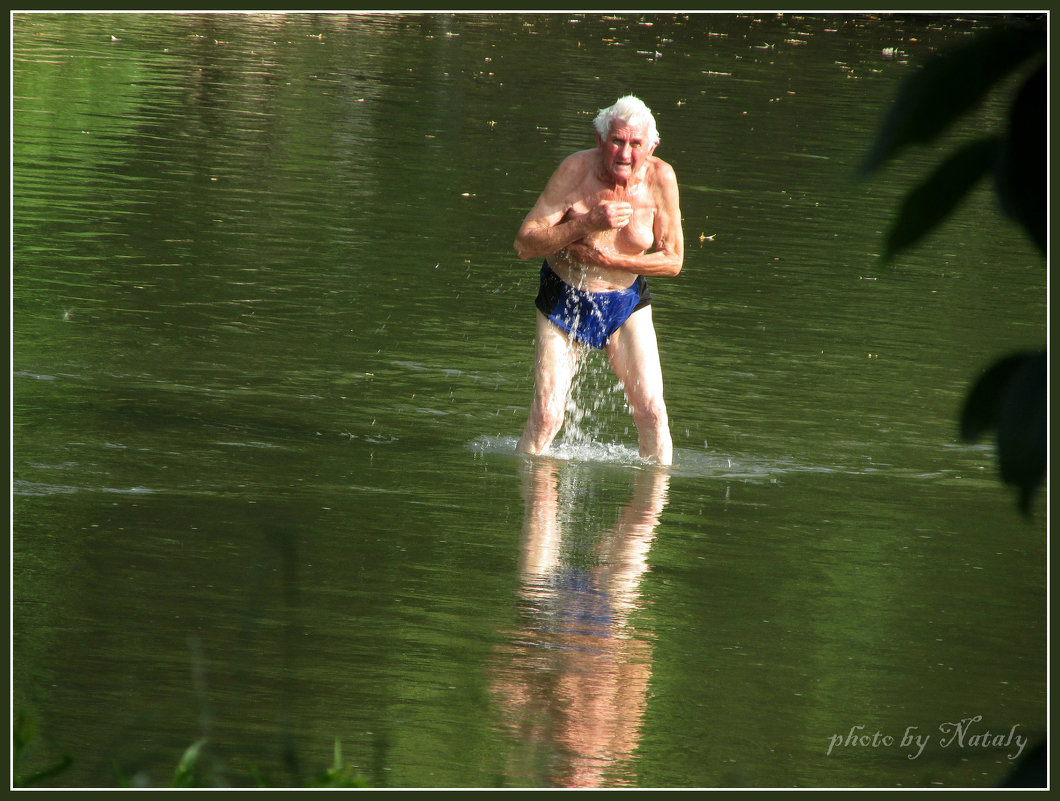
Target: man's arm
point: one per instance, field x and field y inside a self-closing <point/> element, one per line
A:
<point x="544" y="231"/>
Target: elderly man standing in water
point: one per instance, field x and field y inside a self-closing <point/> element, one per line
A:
<point x="608" y="219"/>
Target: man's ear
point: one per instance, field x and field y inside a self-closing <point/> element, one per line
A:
<point x="599" y="140"/>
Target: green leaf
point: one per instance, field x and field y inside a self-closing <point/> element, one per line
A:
<point x="185" y="775"/>
<point x="930" y="202"/>
<point x="1022" y="168"/>
<point x="24" y="731"/>
<point x="340" y="774"/>
<point x="981" y="407"/>
<point x="949" y="85"/>
<point x="1010" y="398"/>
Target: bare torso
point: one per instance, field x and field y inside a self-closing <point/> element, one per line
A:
<point x="636" y="237"/>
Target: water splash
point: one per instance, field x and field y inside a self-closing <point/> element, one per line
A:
<point x="588" y="450"/>
<point x="688" y="463"/>
<point x="596" y="407"/>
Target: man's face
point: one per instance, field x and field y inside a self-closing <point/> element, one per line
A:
<point x="625" y="149"/>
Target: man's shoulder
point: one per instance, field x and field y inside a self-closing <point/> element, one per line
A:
<point x="662" y="170"/>
<point x="575" y="168"/>
<point x="582" y="161"/>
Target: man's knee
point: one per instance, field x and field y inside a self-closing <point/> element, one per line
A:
<point x="650" y="413"/>
<point x="547" y="415"/>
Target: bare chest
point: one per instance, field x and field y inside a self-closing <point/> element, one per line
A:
<point x="636" y="237"/>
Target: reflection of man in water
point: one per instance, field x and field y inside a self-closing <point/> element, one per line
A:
<point x="574" y="683"/>
<point x="608" y="217"/>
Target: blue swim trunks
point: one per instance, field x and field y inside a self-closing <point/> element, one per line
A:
<point x="590" y="317"/>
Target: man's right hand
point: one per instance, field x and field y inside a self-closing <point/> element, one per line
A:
<point x="611" y="214"/>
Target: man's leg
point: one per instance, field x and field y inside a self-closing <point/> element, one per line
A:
<point x="554" y="367"/>
<point x="634" y="354"/>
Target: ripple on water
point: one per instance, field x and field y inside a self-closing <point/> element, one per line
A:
<point x="687" y="463"/>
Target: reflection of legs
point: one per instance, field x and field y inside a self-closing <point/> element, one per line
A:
<point x="542" y="530"/>
<point x="634" y="354"/>
<point x="554" y="368"/>
<point x="576" y="688"/>
<point x="623" y="551"/>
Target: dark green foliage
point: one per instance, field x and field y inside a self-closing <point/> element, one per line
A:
<point x="950" y="85"/>
<point x="191" y="772"/>
<point x="1010" y="397"/>
<point x="1021" y="168"/>
<point x="946" y="89"/>
<point x="930" y="202"/>
<point x="1032" y="770"/>
<point x="340" y="774"/>
<point x="23" y="732"/>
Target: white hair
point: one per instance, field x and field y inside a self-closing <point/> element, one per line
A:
<point x="630" y="110"/>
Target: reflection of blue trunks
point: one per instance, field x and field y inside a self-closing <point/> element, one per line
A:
<point x="590" y="317"/>
<point x="582" y="607"/>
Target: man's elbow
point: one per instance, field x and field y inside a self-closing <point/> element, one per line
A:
<point x="522" y="252"/>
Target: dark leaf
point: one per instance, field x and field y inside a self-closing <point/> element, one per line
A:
<point x="1021" y="177"/>
<point x="949" y="85"/>
<point x="1032" y="770"/>
<point x="1010" y="397"/>
<point x="929" y="203"/>
<point x="980" y="412"/>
